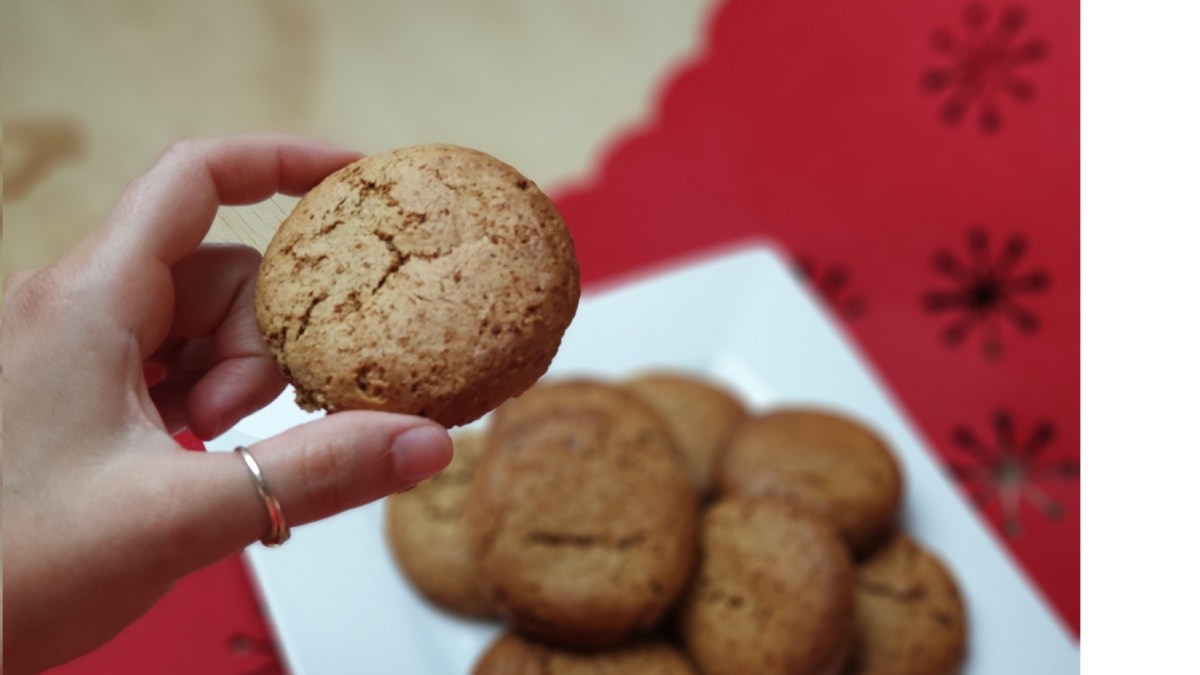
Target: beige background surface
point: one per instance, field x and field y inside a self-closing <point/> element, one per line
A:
<point x="92" y="91"/>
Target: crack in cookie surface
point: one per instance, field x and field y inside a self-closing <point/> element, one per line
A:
<point x="414" y="250"/>
<point x="576" y="540"/>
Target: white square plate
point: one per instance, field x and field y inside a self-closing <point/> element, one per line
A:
<point x="337" y="604"/>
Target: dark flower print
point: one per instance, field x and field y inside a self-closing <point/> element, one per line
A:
<point x="987" y="291"/>
<point x="985" y="65"/>
<point x="1010" y="469"/>
<point x="257" y="650"/>
<point x="833" y="283"/>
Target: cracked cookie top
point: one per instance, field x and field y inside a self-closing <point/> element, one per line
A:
<point x="433" y="280"/>
<point x="581" y="514"/>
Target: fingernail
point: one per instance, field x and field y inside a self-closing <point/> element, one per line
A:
<point x="421" y="452"/>
<point x="225" y="422"/>
<point x="221" y="426"/>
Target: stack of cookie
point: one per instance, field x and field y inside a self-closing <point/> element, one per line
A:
<point x="651" y="525"/>
<point x="654" y="525"/>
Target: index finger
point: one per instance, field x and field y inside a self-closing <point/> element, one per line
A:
<point x="165" y="214"/>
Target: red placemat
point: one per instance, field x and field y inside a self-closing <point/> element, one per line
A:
<point x="921" y="163"/>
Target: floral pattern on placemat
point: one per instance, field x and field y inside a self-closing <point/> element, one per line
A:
<point x="988" y="293"/>
<point x="1007" y="472"/>
<point x="919" y="163"/>
<point x="985" y="66"/>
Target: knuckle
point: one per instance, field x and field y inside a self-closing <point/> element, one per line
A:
<point x="244" y="256"/>
<point x="337" y="474"/>
<point x="323" y="458"/>
<point x="181" y="147"/>
<point x="33" y="293"/>
<point x="325" y="468"/>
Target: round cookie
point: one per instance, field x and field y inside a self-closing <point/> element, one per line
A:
<point x="427" y="535"/>
<point x="827" y="463"/>
<point x="911" y="619"/>
<point x="700" y="415"/>
<point x="512" y="654"/>
<point x="581" y="514"/>
<point x="774" y="591"/>
<point x="433" y="280"/>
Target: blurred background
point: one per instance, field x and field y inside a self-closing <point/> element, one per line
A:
<point x="93" y="91"/>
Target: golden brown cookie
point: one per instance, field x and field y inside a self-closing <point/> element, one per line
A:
<point x="825" y="462"/>
<point x="700" y="415"/>
<point x="433" y="280"/>
<point x="911" y="619"/>
<point x="512" y="654"/>
<point x="582" y="514"/>
<point x="428" y="538"/>
<point x="774" y="591"/>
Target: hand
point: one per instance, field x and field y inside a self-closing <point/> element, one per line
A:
<point x="102" y="511"/>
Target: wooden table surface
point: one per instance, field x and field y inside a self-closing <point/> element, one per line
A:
<point x="92" y="91"/>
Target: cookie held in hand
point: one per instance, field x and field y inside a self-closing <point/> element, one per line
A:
<point x="433" y="280"/>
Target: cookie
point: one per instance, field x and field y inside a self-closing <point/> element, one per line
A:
<point x="700" y="415"/>
<point x="433" y="280"/>
<point x="581" y="514"/>
<point x="774" y="591"/>
<point x="512" y="654"/>
<point x="427" y="534"/>
<point x="825" y="462"/>
<point x="911" y="619"/>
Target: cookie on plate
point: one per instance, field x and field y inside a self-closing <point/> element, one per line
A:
<point x="581" y="514"/>
<point x="828" y="463"/>
<point x="427" y="535"/>
<point x="701" y="416"/>
<point x="911" y="619"/>
<point x="773" y="593"/>
<point x="433" y="280"/>
<point x="513" y="654"/>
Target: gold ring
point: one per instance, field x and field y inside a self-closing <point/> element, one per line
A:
<point x="279" y="529"/>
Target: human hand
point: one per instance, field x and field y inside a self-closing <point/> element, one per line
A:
<point x="102" y="510"/>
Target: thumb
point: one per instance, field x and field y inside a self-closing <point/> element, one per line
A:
<point x="315" y="470"/>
